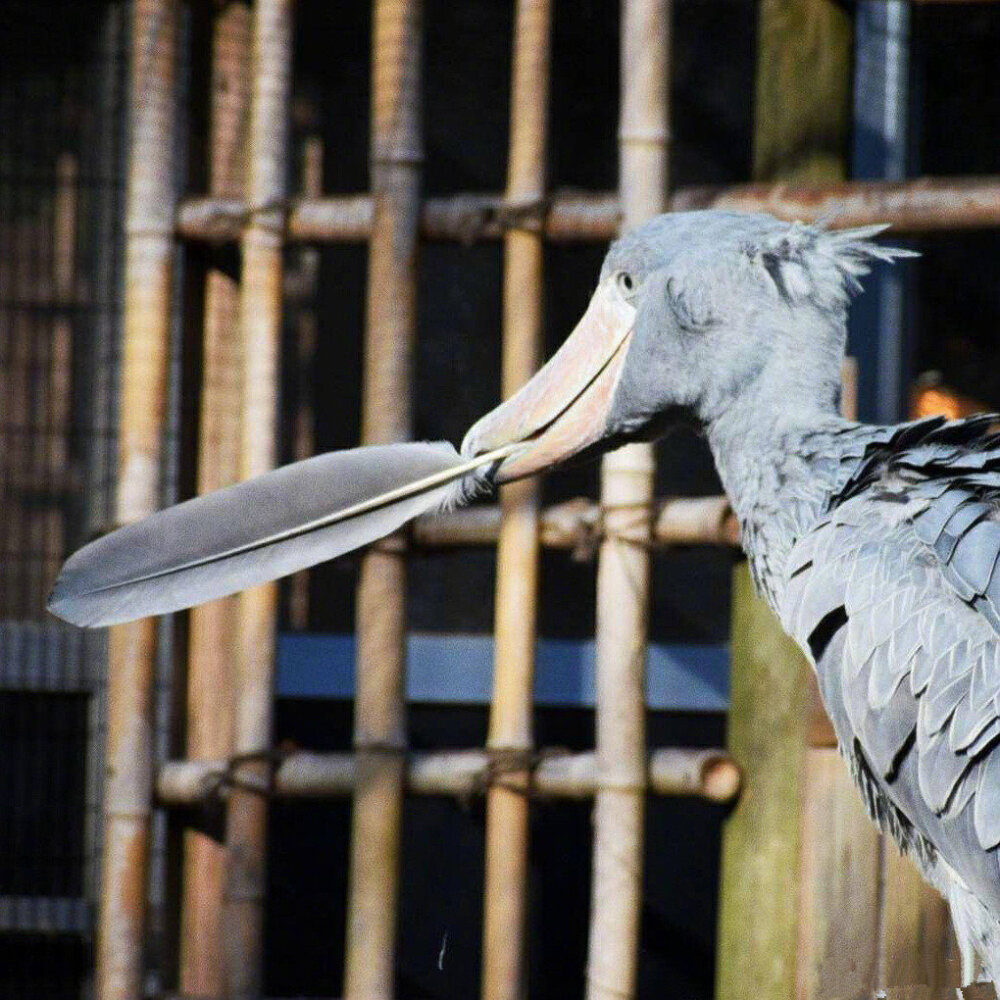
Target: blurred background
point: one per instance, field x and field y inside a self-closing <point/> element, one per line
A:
<point x="925" y="338"/>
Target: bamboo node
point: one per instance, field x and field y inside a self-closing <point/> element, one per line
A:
<point x="394" y="543"/>
<point x="380" y="749"/>
<point x="412" y="157"/>
<point x="645" y="136"/>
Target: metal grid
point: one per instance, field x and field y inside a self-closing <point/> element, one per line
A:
<point x="61" y="152"/>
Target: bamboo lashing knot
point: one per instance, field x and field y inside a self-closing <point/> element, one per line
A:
<point x="505" y="761"/>
<point x="228" y="777"/>
<point x="476" y="218"/>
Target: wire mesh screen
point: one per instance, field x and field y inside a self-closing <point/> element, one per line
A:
<point x="62" y="80"/>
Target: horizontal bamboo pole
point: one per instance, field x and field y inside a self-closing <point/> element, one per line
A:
<point x="710" y="774"/>
<point x="577" y="525"/>
<point x="976" y="991"/>
<point x="464" y="217"/>
<point x="921" y="205"/>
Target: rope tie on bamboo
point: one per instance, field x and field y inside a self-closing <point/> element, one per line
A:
<point x="588" y="533"/>
<point x="228" y="213"/>
<point x="474" y="219"/>
<point x="504" y="761"/>
<point x="229" y="778"/>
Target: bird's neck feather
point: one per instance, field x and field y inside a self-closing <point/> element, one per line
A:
<point x="772" y="446"/>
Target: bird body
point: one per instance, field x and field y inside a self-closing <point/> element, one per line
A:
<point x="876" y="546"/>
<point x="892" y="592"/>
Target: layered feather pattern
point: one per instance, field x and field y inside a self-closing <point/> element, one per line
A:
<point x="904" y="563"/>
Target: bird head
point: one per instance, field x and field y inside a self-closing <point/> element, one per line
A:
<point x="693" y="313"/>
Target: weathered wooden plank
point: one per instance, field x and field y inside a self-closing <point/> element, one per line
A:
<point x="768" y="729"/>
<point x="916" y="946"/>
<point x="839" y="904"/>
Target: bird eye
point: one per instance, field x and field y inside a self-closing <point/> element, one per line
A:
<point x="626" y="283"/>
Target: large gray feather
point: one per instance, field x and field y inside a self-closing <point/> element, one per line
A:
<point x="258" y="530"/>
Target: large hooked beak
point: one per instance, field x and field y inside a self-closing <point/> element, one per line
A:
<point x="566" y="406"/>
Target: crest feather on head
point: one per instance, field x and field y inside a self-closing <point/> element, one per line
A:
<point x="811" y="261"/>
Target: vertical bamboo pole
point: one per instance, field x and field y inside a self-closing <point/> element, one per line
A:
<point x="623" y="566"/>
<point x="260" y="324"/>
<point x="209" y="722"/>
<point x="517" y="554"/>
<point x="149" y="253"/>
<point x="379" y="722"/>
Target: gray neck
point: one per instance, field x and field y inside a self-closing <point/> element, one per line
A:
<point x="778" y="461"/>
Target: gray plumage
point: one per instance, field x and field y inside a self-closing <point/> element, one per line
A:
<point x="878" y="547"/>
<point x="258" y="530"/>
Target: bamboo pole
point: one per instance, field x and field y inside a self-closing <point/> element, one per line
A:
<point x="149" y="253"/>
<point x="709" y="774"/>
<point x="379" y="724"/>
<point x="260" y="325"/>
<point x="623" y="566"/>
<point x="510" y="728"/>
<point x="576" y="525"/>
<point x="920" y="205"/>
<point x="212" y="630"/>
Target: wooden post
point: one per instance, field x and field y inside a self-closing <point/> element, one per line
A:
<point x="510" y="731"/>
<point x="623" y="565"/>
<point x="768" y="729"/>
<point x="212" y="632"/>
<point x="811" y="895"/>
<point x="260" y="325"/>
<point x="767" y="947"/>
<point x="379" y="715"/>
<point x="149" y="255"/>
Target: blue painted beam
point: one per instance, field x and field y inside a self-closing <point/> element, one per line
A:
<point x="879" y="319"/>
<point x="458" y="669"/>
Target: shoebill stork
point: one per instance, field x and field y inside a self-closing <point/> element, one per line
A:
<point x="877" y="546"/>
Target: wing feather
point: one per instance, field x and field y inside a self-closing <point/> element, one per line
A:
<point x="258" y="530"/>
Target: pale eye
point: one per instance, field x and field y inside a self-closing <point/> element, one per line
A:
<point x="626" y="283"/>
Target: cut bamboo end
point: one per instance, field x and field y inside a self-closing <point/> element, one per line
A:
<point x="721" y="778"/>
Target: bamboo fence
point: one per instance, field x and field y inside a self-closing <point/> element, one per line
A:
<point x="228" y="756"/>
